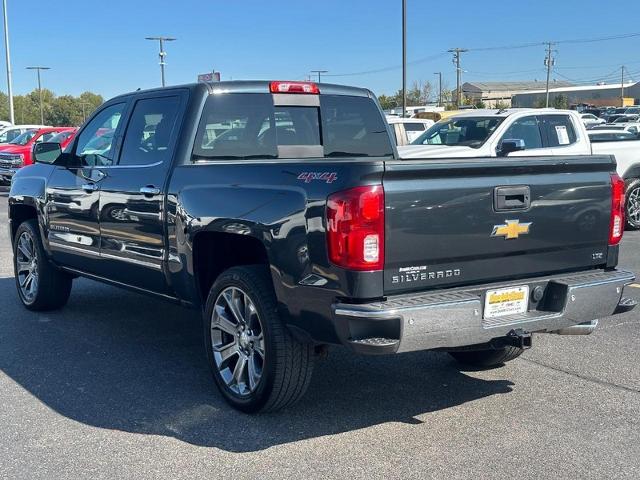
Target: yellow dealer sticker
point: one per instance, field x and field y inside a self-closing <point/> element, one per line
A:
<point x="506" y="301"/>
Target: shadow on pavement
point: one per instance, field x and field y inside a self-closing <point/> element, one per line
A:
<point x="117" y="360"/>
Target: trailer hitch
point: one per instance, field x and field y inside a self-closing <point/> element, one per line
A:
<point x="517" y="337"/>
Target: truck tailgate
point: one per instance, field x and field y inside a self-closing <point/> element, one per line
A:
<point x="466" y="221"/>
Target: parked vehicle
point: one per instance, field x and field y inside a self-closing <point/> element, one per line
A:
<point x="300" y="227"/>
<point x="11" y="132"/>
<point x="591" y="120"/>
<point x="63" y="138"/>
<point x="610" y="135"/>
<point x="406" y="130"/>
<point x="17" y="153"/>
<point x="520" y="132"/>
<point x="633" y="128"/>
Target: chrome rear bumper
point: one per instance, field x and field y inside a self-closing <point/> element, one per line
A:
<point x="454" y="318"/>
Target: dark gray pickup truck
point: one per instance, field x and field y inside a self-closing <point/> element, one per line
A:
<point x="282" y="211"/>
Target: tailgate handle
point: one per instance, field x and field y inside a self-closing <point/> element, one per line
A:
<point x="511" y="198"/>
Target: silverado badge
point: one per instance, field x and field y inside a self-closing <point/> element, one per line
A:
<point x="511" y="229"/>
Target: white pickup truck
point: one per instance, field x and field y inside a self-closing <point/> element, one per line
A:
<point x="518" y="132"/>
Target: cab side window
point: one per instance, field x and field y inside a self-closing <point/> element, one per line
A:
<point x="95" y="147"/>
<point x="526" y="129"/>
<point x="150" y="131"/>
<point x="558" y="130"/>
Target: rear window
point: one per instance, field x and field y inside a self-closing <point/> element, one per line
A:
<point x="249" y="126"/>
<point x="414" y="127"/>
<point x="353" y="126"/>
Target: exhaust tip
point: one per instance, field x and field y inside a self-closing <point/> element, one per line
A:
<point x="585" y="328"/>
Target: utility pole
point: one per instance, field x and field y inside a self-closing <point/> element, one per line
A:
<point x="8" y="58"/>
<point x="38" y="68"/>
<point x="549" y="62"/>
<point x="456" y="59"/>
<point x="404" y="58"/>
<point x="162" y="53"/>
<point x="319" y="72"/>
<point x="622" y="86"/>
<point x="439" y="88"/>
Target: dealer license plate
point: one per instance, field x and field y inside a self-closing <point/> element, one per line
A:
<point x="506" y="301"/>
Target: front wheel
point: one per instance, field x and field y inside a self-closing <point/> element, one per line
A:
<point x="632" y="204"/>
<point x="487" y="358"/>
<point x="41" y="286"/>
<point x="256" y="363"/>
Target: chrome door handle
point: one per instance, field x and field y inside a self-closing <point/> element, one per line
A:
<point x="89" y="187"/>
<point x="149" y="190"/>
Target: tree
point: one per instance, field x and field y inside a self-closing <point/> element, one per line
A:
<point x="387" y="102"/>
<point x="540" y="103"/>
<point x="560" y="102"/>
<point x="65" y="110"/>
<point x="420" y="93"/>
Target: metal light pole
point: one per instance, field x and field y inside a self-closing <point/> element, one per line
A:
<point x="84" y="116"/>
<point x="8" y="58"/>
<point x="162" y="53"/>
<point x="404" y="58"/>
<point x="319" y="72"/>
<point x="40" y="90"/>
<point x="622" y="86"/>
<point x="439" y="88"/>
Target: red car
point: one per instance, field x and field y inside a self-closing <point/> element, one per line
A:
<point x="17" y="153"/>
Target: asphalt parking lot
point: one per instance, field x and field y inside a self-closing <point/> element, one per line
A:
<point x="116" y="386"/>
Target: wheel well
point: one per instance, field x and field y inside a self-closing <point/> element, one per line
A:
<point x="20" y="214"/>
<point x="215" y="252"/>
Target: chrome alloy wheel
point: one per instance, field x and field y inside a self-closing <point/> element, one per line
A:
<point x="27" y="266"/>
<point x="633" y="206"/>
<point x="238" y="341"/>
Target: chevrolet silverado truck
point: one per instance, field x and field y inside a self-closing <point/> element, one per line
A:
<point x="282" y="211"/>
<point x="528" y="132"/>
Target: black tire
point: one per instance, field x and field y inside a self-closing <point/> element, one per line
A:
<point x="487" y="358"/>
<point x="631" y="203"/>
<point x="52" y="287"/>
<point x="287" y="364"/>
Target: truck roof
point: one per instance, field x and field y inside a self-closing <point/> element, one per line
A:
<point x="255" y="86"/>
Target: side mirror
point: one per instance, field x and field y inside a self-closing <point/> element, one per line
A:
<point x="510" y="145"/>
<point x="46" y="152"/>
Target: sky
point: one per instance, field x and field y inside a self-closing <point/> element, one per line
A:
<point x="99" y="45"/>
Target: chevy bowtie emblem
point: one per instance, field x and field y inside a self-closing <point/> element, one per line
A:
<point x="511" y="229"/>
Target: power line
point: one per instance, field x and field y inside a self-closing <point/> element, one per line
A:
<point x="555" y="42"/>
<point x="388" y="69"/>
<point x="499" y="47"/>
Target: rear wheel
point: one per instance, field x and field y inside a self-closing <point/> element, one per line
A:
<point x="41" y="286"/>
<point x="632" y="203"/>
<point x="487" y="358"/>
<point x="256" y="363"/>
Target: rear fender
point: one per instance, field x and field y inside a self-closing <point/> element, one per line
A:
<point x="275" y="217"/>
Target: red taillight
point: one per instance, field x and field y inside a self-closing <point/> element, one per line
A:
<point x="294" y="87"/>
<point x="355" y="228"/>
<point x="616" y="227"/>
